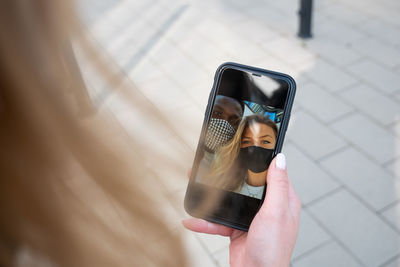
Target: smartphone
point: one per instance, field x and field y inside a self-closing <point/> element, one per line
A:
<point x="244" y="127"/>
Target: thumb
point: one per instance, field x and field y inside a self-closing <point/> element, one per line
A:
<point x="277" y="197"/>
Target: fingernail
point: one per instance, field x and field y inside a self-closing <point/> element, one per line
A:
<point x="280" y="161"/>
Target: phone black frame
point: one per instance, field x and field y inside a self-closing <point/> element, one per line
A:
<point x="215" y="217"/>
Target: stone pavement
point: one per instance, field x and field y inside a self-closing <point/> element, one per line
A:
<point x="343" y="143"/>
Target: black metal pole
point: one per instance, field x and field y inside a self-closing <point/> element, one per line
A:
<point x="305" y="14"/>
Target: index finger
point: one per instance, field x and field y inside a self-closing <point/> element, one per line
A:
<point x="203" y="226"/>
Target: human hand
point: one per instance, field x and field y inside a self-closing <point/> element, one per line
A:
<point x="273" y="231"/>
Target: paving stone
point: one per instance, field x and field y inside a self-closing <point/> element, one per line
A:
<point x="164" y="93"/>
<point x="264" y="12"/>
<point x="212" y="30"/>
<point x="200" y="93"/>
<point x="318" y="17"/>
<point x="397" y="94"/>
<point x="311" y="235"/>
<point x="225" y="14"/>
<point x="360" y="4"/>
<point x="393" y="215"/>
<point x="337" y="53"/>
<point x="383" y="79"/>
<point x="301" y="80"/>
<point x="172" y="170"/>
<point x="113" y="16"/>
<point x="130" y="54"/>
<point x="214" y="243"/>
<point x="391" y="3"/>
<point x="180" y="30"/>
<point x="123" y="37"/>
<point x="359" y="229"/>
<point x="373" y="103"/>
<point x="382" y="31"/>
<point x="194" y="15"/>
<point x="196" y="254"/>
<point x="338" y="32"/>
<point x="326" y="106"/>
<point x="388" y="15"/>
<point x="162" y="14"/>
<point x="309" y="181"/>
<point x="187" y="73"/>
<point x="368" y="180"/>
<point x="167" y="55"/>
<point x="328" y="255"/>
<point x="145" y="71"/>
<point x="312" y="137"/>
<point x="288" y="21"/>
<point x="385" y="54"/>
<point x="290" y="51"/>
<point x="320" y="5"/>
<point x="368" y="137"/>
<point x="345" y="14"/>
<point x="152" y="129"/>
<point x="330" y="77"/>
<point x="187" y="123"/>
<point x="255" y="31"/>
<point x="212" y="65"/>
<point x="222" y="257"/>
<point x="295" y="108"/>
<point x="394" y="167"/>
<point x="393" y="263"/>
<point x="237" y="45"/>
<point x="396" y="129"/>
<point x="202" y="50"/>
<point x="271" y="62"/>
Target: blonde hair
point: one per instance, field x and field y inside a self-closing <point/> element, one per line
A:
<point x="225" y="171"/>
<point x="74" y="189"/>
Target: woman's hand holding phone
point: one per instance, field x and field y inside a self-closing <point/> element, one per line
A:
<point x="273" y="231"/>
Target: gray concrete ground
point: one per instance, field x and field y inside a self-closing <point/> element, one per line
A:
<point x="343" y="143"/>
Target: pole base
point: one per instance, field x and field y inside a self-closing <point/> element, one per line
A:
<point x="305" y="35"/>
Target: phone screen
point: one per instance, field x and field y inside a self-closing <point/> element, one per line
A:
<point x="240" y="140"/>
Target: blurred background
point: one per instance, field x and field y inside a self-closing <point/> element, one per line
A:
<point x="343" y="142"/>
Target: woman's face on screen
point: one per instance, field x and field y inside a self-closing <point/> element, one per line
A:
<point x="258" y="134"/>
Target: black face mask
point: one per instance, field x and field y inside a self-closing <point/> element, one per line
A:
<point x="255" y="158"/>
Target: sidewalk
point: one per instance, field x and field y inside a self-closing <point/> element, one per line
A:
<point x="343" y="143"/>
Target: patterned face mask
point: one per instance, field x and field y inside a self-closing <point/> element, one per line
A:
<point x="219" y="132"/>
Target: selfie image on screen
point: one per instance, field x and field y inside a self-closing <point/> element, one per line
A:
<point x="242" y="133"/>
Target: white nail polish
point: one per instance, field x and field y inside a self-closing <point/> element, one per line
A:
<point x="281" y="161"/>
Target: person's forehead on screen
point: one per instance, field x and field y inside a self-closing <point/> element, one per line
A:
<point x="227" y="108"/>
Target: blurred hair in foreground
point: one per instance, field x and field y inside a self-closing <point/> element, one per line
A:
<point x="74" y="189"/>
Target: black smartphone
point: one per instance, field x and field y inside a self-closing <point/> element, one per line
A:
<point x="244" y="127"/>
